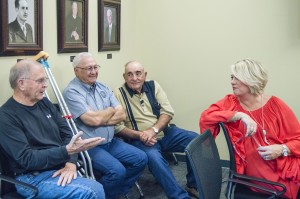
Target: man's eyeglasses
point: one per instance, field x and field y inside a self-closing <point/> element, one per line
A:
<point x="90" y="68"/>
<point x="42" y="81"/>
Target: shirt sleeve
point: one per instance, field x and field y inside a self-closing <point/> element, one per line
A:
<point x="119" y="127"/>
<point x="289" y="134"/>
<point x="76" y="102"/>
<point x="112" y="98"/>
<point x="162" y="99"/>
<point x="220" y="111"/>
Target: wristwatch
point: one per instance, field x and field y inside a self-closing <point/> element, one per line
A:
<point x="155" y="130"/>
<point x="285" y="151"/>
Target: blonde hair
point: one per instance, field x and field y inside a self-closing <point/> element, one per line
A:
<point x="251" y="73"/>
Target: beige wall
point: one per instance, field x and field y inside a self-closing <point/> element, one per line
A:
<point x="188" y="46"/>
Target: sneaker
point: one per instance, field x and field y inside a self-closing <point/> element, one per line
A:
<point x="192" y="192"/>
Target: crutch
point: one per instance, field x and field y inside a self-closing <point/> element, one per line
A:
<point x="87" y="170"/>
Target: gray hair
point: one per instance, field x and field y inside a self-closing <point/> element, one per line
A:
<point x="251" y="73"/>
<point x="22" y="69"/>
<point x="78" y="58"/>
<point x="109" y="12"/>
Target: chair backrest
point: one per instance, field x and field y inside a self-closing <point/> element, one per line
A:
<point x="203" y="155"/>
<point x="242" y="191"/>
<point x="232" y="162"/>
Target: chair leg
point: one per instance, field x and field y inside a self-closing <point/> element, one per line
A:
<point x="175" y="159"/>
<point x="140" y="190"/>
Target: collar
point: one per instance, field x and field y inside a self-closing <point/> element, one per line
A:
<point x="132" y="92"/>
<point x="20" y="23"/>
<point x="22" y="26"/>
<point x="86" y="86"/>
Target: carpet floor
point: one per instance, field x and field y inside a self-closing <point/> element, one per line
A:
<point x="152" y="190"/>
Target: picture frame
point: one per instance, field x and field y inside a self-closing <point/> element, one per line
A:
<point x="14" y="40"/>
<point x="109" y="12"/>
<point x="72" y="33"/>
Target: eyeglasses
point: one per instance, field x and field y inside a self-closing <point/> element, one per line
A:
<point x="137" y="74"/>
<point x="41" y="81"/>
<point x="142" y="102"/>
<point x="90" y="68"/>
<point x="236" y="150"/>
<point x="240" y="139"/>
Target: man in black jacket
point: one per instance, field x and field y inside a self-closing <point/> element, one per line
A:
<point x="38" y="142"/>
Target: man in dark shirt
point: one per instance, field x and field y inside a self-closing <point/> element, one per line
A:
<point x="38" y="142"/>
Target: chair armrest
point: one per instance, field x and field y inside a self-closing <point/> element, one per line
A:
<point x="245" y="180"/>
<point x="16" y="182"/>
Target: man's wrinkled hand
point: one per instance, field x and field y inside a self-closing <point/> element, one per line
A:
<point x="66" y="174"/>
<point x="148" y="138"/>
<point x="77" y="144"/>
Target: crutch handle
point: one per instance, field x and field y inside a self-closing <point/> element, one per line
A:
<point x="41" y="55"/>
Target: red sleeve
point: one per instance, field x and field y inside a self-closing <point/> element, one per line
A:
<point x="220" y="111"/>
<point x="289" y="134"/>
<point x="288" y="126"/>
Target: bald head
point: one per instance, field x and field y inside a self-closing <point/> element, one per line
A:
<point x="134" y="75"/>
<point x="134" y="64"/>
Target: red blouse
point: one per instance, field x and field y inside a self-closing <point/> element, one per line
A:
<point x="282" y="127"/>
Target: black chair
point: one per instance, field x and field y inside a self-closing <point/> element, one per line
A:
<point x="204" y="158"/>
<point x="7" y="181"/>
<point x="205" y="161"/>
<point x="241" y="191"/>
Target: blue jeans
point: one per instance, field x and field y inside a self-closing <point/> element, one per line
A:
<point x="48" y="188"/>
<point x="120" y="165"/>
<point x="175" y="140"/>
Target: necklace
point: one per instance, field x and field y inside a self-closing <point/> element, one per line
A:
<point x="263" y="122"/>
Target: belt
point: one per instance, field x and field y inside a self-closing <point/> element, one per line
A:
<point x="35" y="173"/>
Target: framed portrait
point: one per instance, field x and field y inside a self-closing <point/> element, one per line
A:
<point x="21" y="27"/>
<point x="109" y="22"/>
<point x="72" y="26"/>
